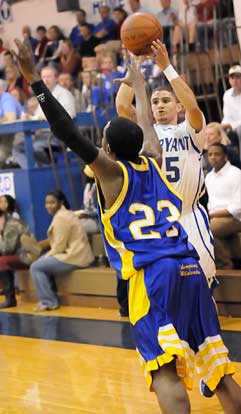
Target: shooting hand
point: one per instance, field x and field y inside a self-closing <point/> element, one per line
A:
<point x="25" y="62"/>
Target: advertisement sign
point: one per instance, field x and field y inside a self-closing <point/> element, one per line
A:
<point x="7" y="184"/>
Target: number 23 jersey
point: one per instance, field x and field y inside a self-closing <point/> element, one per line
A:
<point x="142" y="225"/>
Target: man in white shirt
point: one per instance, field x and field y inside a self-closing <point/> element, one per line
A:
<point x="224" y="191"/>
<point x="40" y="143"/>
<point x="232" y="103"/>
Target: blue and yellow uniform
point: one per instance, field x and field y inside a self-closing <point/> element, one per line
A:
<point x="170" y="306"/>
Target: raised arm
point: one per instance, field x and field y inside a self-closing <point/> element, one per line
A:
<point x="151" y="144"/>
<point x="124" y="98"/>
<point x="108" y="172"/>
<point x="183" y="92"/>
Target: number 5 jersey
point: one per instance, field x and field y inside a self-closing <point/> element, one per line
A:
<point x="182" y="165"/>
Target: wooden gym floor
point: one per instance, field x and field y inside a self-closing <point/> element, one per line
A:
<point x="82" y="360"/>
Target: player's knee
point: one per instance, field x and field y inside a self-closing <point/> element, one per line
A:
<point x="171" y="395"/>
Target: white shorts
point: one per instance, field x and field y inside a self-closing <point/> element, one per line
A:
<point x="196" y="225"/>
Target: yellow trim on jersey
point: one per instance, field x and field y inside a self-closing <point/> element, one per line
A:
<point x="126" y="256"/>
<point x="139" y="303"/>
<point x="165" y="180"/>
<point x="140" y="167"/>
<point x="118" y="202"/>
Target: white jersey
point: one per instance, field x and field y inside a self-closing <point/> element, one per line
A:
<point x="182" y="165"/>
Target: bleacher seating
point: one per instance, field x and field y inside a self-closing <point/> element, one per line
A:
<point x="94" y="287"/>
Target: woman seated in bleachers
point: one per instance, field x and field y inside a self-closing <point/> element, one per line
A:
<point x="11" y="253"/>
<point x="52" y="52"/>
<point x="8" y="205"/>
<point x="69" y="250"/>
<point x="214" y="133"/>
<point x="70" y="60"/>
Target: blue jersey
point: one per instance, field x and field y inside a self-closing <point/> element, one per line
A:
<point x="142" y="225"/>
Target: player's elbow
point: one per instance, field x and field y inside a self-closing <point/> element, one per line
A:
<point x="124" y="110"/>
<point x="195" y="118"/>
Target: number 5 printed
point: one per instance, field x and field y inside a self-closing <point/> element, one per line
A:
<point x="172" y="170"/>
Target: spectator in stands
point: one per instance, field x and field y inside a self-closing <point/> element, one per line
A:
<point x="224" y="192"/>
<point x="89" y="88"/>
<point x="31" y="107"/>
<point x="119" y="15"/>
<point x="8" y="205"/>
<point x="10" y="110"/>
<point x="52" y="52"/>
<point x="109" y="74"/>
<point x="70" y="61"/>
<point x="19" y="94"/>
<point x="135" y="6"/>
<point x="13" y="79"/>
<point x="205" y="28"/>
<point x="42" y="41"/>
<point x="106" y="29"/>
<point x="11" y="230"/>
<point x="42" y="137"/>
<point x="113" y="46"/>
<point x="49" y="77"/>
<point x="232" y="103"/>
<point x="8" y="58"/>
<point x="89" y="42"/>
<point x="213" y="134"/>
<point x="75" y="34"/>
<point x="187" y="19"/>
<point x="69" y="250"/>
<point x="168" y="17"/>
<point x="28" y="38"/>
<point x="66" y="81"/>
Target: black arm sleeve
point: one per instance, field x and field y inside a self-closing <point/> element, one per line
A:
<point x="62" y="125"/>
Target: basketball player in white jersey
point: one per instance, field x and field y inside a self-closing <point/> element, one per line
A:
<point x="182" y="146"/>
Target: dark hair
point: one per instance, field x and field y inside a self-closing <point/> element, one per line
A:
<point x="60" y="196"/>
<point x="218" y="144"/>
<point x="86" y="25"/>
<point x="58" y="31"/>
<point x="12" y="205"/>
<point x="121" y="10"/>
<point x="124" y="137"/>
<point x="167" y="88"/>
<point x="42" y="28"/>
<point x="2" y="213"/>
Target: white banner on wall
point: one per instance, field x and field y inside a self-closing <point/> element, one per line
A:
<point x="5" y="11"/>
<point x="7" y="184"/>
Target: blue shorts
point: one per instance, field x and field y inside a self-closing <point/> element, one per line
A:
<point x="173" y="315"/>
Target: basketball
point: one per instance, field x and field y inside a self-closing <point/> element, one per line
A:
<point x="138" y="32"/>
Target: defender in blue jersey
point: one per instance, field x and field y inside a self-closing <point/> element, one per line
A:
<point x="173" y="317"/>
